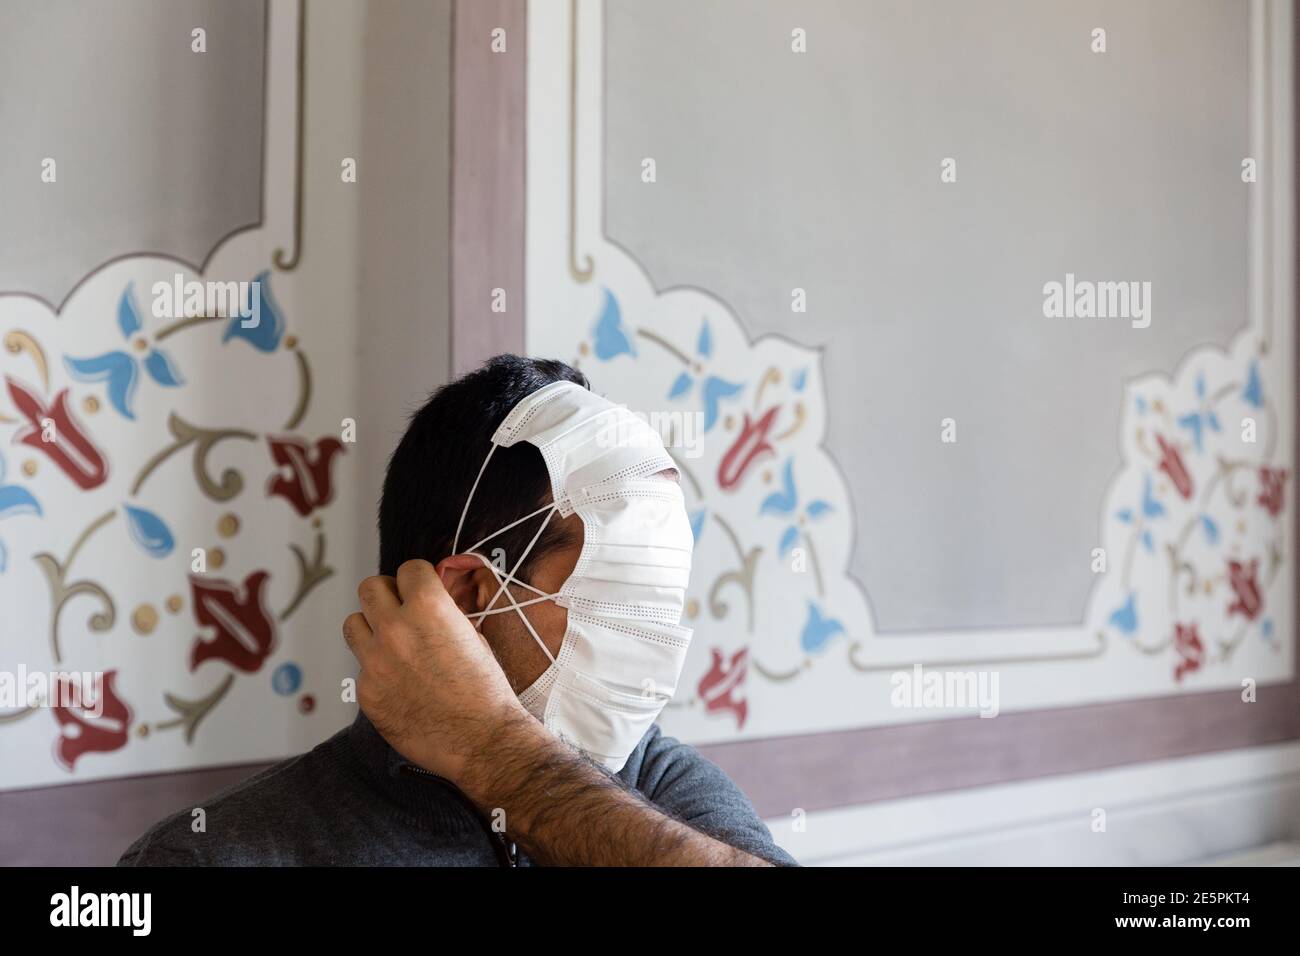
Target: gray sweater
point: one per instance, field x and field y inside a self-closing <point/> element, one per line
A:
<point x="354" y="801"/>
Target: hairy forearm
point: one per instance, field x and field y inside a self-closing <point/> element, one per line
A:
<point x="563" y="810"/>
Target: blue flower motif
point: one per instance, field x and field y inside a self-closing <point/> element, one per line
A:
<point x="818" y="630"/>
<point x="14" y="500"/>
<point x="1151" y="508"/>
<point x="799" y="379"/>
<point x="161" y="369"/>
<point x="1198" y="421"/>
<point x="697" y="523"/>
<point x="704" y="343"/>
<point x="118" y="369"/>
<point x="121" y="370"/>
<point x="1124" y="618"/>
<point x="818" y="508"/>
<point x="268" y="324"/>
<point x="786" y="502"/>
<point x="128" y="316"/>
<point x="1211" y="529"/>
<point x="149" y="531"/>
<point x="713" y="389"/>
<point x="1253" y="392"/>
<point x="609" y="337"/>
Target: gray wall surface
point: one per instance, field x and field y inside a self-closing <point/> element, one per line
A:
<point x="135" y="121"/>
<point x="822" y="171"/>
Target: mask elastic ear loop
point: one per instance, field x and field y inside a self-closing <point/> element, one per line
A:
<point x="503" y="589"/>
<point x="455" y="549"/>
<point x="519" y="609"/>
<point x="478" y="544"/>
<point x="479" y="615"/>
<point x="502" y="575"/>
<point x="455" y="542"/>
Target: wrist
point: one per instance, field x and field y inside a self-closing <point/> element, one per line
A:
<point x="505" y="761"/>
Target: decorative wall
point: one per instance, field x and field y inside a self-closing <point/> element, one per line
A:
<point x="1197" y="592"/>
<point x="175" y="498"/>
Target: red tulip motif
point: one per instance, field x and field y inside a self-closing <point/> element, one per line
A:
<point x="720" y="688"/>
<point x="243" y="632"/>
<point x="91" y="720"/>
<point x="308" y="483"/>
<point x="52" y="430"/>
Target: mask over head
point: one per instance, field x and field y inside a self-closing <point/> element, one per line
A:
<point x="624" y="646"/>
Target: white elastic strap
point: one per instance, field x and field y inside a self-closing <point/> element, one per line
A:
<point x="479" y="615"/>
<point x="478" y="544"/>
<point x="503" y="589"/>
<point x="518" y="609"/>
<point x="455" y="542"/>
<point x="501" y="575"/>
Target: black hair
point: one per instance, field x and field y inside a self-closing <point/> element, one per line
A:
<point x="437" y="460"/>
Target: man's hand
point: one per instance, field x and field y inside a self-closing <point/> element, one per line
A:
<point x="431" y="686"/>
<point x="428" y="680"/>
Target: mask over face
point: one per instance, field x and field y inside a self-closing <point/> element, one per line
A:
<point x="624" y="647"/>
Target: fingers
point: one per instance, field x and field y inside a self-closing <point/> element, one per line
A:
<point x="418" y="581"/>
<point x="379" y="599"/>
<point x="357" y="633"/>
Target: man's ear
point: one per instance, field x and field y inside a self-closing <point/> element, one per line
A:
<point x="461" y="575"/>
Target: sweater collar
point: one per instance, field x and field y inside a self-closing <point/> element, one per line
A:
<point x="422" y="796"/>
<point x="369" y="748"/>
<point x="420" y="792"/>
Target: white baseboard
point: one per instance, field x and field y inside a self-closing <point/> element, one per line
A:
<point x="1211" y="808"/>
<point x="1275" y="854"/>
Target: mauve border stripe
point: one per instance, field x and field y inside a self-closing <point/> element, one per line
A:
<point x="822" y="771"/>
<point x="489" y="126"/>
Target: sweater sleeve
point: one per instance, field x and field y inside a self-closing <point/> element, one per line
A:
<point x="678" y="780"/>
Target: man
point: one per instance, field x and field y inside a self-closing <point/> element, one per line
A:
<point x="480" y="746"/>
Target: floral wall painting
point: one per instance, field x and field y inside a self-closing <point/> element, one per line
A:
<point x="175" y="500"/>
<point x="1197" y="591"/>
<point x="161" y="459"/>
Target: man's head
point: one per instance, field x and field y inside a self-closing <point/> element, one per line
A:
<point x="429" y="478"/>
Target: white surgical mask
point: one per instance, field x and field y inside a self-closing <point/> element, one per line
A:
<point x="624" y="646"/>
